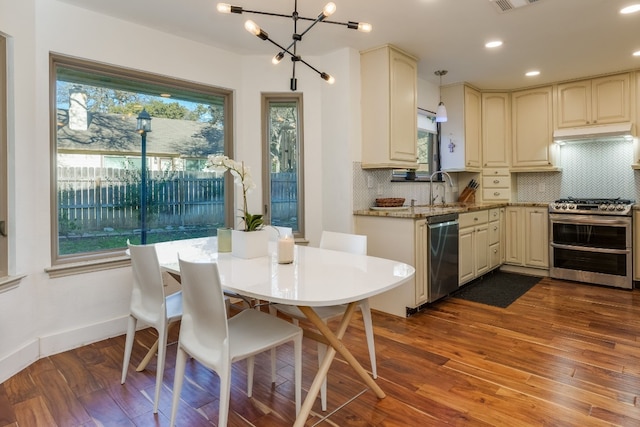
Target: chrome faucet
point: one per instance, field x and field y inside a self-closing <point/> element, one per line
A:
<point x="431" y="186"/>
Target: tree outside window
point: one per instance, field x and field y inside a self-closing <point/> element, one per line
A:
<point x="282" y="116"/>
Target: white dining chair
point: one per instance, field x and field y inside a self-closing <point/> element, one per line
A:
<point x="150" y="305"/>
<point x="344" y="242"/>
<point x="216" y="342"/>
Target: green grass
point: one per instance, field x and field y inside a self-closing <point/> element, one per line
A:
<point x="98" y="243"/>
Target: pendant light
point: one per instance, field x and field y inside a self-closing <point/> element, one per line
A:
<point x="441" y="112"/>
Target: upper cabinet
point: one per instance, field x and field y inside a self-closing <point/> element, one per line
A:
<point x="461" y="134"/>
<point x="596" y="101"/>
<point x="532" y="130"/>
<point x="389" y="108"/>
<point x="496" y="130"/>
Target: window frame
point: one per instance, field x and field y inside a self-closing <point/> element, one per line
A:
<point x="107" y="257"/>
<point x="266" y="99"/>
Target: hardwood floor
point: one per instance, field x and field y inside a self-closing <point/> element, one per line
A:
<point x="564" y="354"/>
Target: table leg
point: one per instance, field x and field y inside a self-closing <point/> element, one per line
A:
<point x="152" y="351"/>
<point x="336" y="345"/>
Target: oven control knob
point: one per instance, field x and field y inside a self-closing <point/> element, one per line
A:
<point x="602" y="207"/>
<point x="611" y="207"/>
<point x="563" y="206"/>
<point x="619" y="207"/>
<point x="571" y="206"/>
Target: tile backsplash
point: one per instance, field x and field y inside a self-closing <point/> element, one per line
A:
<point x="593" y="169"/>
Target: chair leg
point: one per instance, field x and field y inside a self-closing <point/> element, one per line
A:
<point x="250" y="364"/>
<point x="225" y="391"/>
<point x="322" y="351"/>
<point x="368" y="329"/>
<point x="128" y="347"/>
<point x="297" y="349"/>
<point x="274" y="312"/>
<point x="181" y="360"/>
<point x="162" y="351"/>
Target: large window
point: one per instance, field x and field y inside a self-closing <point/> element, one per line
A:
<point x="283" y="166"/>
<point x="97" y="186"/>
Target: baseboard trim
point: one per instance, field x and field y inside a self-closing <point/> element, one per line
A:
<point x="15" y="362"/>
<point x="59" y="342"/>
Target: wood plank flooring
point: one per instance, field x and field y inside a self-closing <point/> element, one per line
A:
<point x="564" y="354"/>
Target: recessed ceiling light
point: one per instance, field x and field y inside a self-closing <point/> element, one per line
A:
<point x="636" y="53"/>
<point x="532" y="73"/>
<point x="494" y="43"/>
<point x="630" y="9"/>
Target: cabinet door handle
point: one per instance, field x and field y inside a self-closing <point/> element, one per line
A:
<point x="496" y="193"/>
<point x="496" y="181"/>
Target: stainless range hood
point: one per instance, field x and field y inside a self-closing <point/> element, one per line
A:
<point x="617" y="131"/>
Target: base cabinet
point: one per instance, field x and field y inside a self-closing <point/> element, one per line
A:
<point x="636" y="245"/>
<point x="404" y="240"/>
<point x="527" y="241"/>
<point x="473" y="245"/>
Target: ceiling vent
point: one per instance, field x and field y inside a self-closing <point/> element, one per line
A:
<point x="507" y="5"/>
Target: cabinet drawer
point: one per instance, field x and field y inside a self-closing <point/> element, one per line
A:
<point x="494" y="232"/>
<point x="496" y="194"/>
<point x="495" y="172"/>
<point x="494" y="214"/>
<point x="470" y="219"/>
<point x="496" y="182"/>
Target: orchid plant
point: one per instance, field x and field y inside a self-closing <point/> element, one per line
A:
<point x="242" y="177"/>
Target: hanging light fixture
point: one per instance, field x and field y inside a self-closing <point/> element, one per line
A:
<point x="291" y="50"/>
<point x="441" y="112"/>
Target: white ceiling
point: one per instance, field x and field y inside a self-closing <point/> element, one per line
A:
<point x="564" y="39"/>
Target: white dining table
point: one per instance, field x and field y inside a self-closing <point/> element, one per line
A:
<point x="317" y="277"/>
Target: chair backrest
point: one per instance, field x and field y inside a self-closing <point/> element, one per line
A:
<point x="147" y="295"/>
<point x="345" y="242"/>
<point x="204" y="317"/>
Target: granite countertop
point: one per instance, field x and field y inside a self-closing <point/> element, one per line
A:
<point x="426" y="211"/>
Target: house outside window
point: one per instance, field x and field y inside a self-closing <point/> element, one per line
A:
<point x="96" y="173"/>
<point x="283" y="160"/>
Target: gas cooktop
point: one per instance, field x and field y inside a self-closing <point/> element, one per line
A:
<point x="599" y="206"/>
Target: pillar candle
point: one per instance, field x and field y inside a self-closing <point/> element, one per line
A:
<point x="285" y="249"/>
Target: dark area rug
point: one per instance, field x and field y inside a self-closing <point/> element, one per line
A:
<point x="497" y="288"/>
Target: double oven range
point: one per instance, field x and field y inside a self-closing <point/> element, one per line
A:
<point x="591" y="240"/>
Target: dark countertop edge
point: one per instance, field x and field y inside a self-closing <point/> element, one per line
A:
<point x="426" y="211"/>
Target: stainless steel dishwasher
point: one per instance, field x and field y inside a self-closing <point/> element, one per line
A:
<point x="443" y="255"/>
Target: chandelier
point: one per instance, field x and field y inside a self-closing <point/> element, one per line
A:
<point x="292" y="48"/>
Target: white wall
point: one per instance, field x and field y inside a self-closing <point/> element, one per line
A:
<point x="44" y="316"/>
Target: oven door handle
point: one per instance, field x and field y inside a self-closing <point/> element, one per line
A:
<point x="590" y="249"/>
<point x="590" y="220"/>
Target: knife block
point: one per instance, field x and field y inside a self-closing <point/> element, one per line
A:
<point x="467" y="196"/>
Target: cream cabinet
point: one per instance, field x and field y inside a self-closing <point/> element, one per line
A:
<point x="636" y="245"/>
<point x="527" y="236"/>
<point x="496" y="130"/>
<point x="532" y="130"/>
<point x="597" y="101"/>
<point x="473" y="245"/>
<point x="495" y="238"/>
<point x="389" y="108"/>
<point x="404" y="240"/>
<point x="461" y="134"/>
<point x="496" y="185"/>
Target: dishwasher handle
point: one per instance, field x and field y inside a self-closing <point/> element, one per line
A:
<point x="443" y="224"/>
